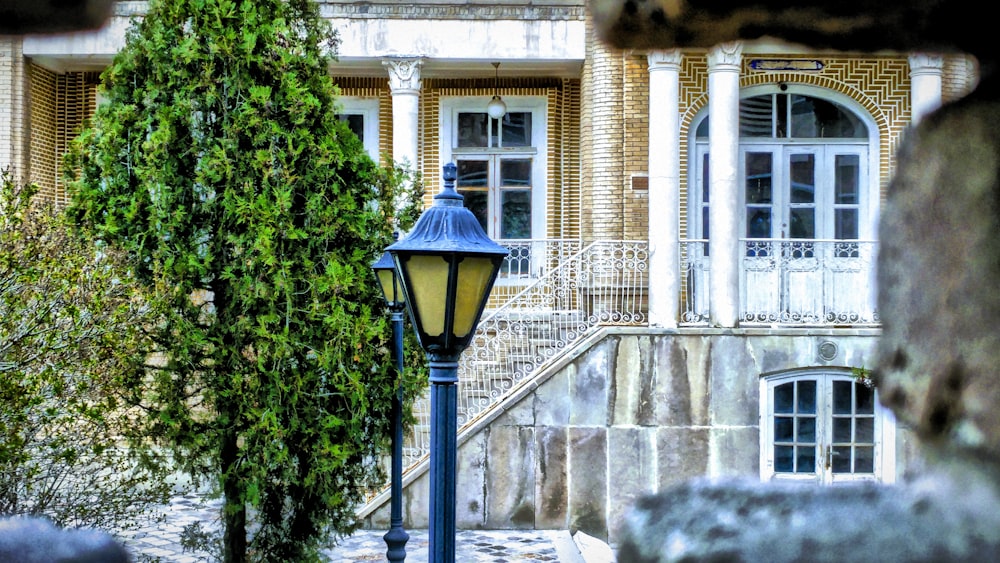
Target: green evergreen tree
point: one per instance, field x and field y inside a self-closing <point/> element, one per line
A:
<point x="219" y="166"/>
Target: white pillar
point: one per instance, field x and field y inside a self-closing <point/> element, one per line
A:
<point x="723" y="147"/>
<point x="12" y="90"/>
<point x="404" y="83"/>
<point x="925" y="84"/>
<point x="664" y="187"/>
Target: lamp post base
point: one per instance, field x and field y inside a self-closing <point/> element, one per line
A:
<point x="395" y="540"/>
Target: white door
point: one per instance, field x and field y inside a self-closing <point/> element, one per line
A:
<point x="798" y="201"/>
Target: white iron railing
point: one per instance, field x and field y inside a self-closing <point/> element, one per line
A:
<point x="789" y="282"/>
<point x="549" y="294"/>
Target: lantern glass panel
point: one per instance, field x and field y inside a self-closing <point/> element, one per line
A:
<point x="474" y="275"/>
<point x="391" y="292"/>
<point x="428" y="279"/>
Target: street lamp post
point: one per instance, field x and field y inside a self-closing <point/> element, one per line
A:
<point x="396" y="537"/>
<point x="447" y="266"/>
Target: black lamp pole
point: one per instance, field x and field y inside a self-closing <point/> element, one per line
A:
<point x="447" y="266"/>
<point x="396" y="537"/>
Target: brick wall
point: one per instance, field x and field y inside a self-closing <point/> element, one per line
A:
<point x="603" y="142"/>
<point x="635" y="111"/>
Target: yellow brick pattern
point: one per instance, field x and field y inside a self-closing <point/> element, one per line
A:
<point x="603" y="133"/>
<point x="60" y="105"/>
<point x="635" y="102"/>
<point x="43" y="116"/>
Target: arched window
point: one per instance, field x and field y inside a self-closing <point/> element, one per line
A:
<point x="804" y="169"/>
<point x="824" y="426"/>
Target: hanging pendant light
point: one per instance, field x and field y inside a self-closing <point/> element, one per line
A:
<point x="496" y="108"/>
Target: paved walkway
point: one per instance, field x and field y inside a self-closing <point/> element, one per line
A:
<point x="163" y="542"/>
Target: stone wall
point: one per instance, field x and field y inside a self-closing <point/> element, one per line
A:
<point x="633" y="414"/>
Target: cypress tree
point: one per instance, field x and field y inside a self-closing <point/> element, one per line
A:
<point x="252" y="213"/>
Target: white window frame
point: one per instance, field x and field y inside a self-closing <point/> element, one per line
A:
<point x="884" y="434"/>
<point x="452" y="106"/>
<point x="537" y="105"/>
<point x="368" y="109"/>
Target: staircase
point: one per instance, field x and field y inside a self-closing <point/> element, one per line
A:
<point x="549" y="296"/>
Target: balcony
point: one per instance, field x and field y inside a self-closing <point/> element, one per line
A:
<point x="785" y="282"/>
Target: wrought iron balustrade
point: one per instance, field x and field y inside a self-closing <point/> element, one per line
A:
<point x="789" y="282"/>
<point x="549" y="294"/>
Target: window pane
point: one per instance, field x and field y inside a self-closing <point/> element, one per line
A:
<point x="704" y="227"/>
<point x="864" y="459"/>
<point x="847" y="171"/>
<point x="842" y="399"/>
<point x="802" y="223"/>
<point x="475" y="201"/>
<point x="355" y="122"/>
<point x="807" y="397"/>
<point x="515" y="172"/>
<point x="784" y="397"/>
<point x="515" y="219"/>
<point x="473" y="130"/>
<point x="783" y="459"/>
<point x="516" y="129"/>
<point x="702" y="131"/>
<point x="472" y="173"/>
<point x="865" y="397"/>
<point x="845" y="224"/>
<point x="758" y="223"/>
<point x="704" y="179"/>
<point x="841" y="462"/>
<point x="865" y="428"/>
<point x="818" y="118"/>
<point x="802" y="170"/>
<point x="842" y="429"/>
<point x="759" y="173"/>
<point x="755" y="116"/>
<point x="807" y="430"/>
<point x="783" y="428"/>
<point x="781" y="127"/>
<point x="805" y="459"/>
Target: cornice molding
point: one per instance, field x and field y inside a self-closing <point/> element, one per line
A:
<point x="449" y="11"/>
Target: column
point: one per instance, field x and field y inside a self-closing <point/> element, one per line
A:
<point x="664" y="187"/>
<point x="604" y="167"/>
<point x="723" y="146"/>
<point x="404" y="83"/>
<point x="12" y="88"/>
<point x="925" y="84"/>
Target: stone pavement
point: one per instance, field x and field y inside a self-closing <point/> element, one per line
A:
<point x="162" y="542"/>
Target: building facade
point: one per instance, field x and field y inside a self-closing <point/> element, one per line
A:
<point x="693" y="235"/>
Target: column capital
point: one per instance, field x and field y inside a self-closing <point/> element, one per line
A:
<point x="664" y="60"/>
<point x="925" y="63"/>
<point x="404" y="73"/>
<point x="725" y="56"/>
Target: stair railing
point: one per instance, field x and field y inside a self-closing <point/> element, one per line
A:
<point x="554" y="293"/>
